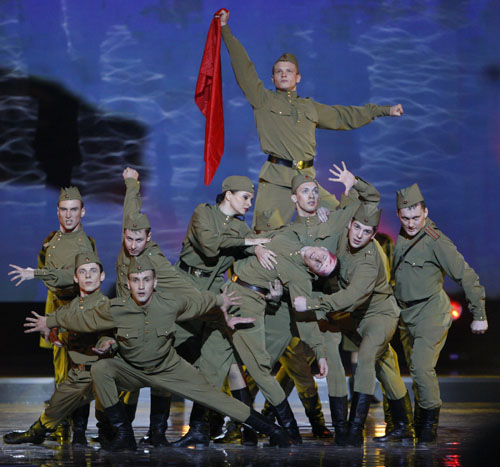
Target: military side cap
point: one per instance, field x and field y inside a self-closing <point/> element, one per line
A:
<point x="287" y="57"/>
<point x="409" y="196"/>
<point x="268" y="220"/>
<point x="140" y="264"/>
<point x="136" y="221"/>
<point x="368" y="214"/>
<point x="237" y="183"/>
<point x="70" y="193"/>
<point x="300" y="179"/>
<point x="87" y="257"/>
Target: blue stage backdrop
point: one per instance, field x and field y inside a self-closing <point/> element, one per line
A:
<point x="89" y="87"/>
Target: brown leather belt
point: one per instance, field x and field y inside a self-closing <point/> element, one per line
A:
<point x="193" y="271"/>
<point x="255" y="288"/>
<point x="297" y="165"/>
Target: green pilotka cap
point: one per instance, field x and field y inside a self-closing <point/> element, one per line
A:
<point x="288" y="57"/>
<point x="268" y="220"/>
<point x="237" y="183"/>
<point x="136" y="221"/>
<point x="409" y="196"/>
<point x="368" y="214"/>
<point x="87" y="257"/>
<point x="140" y="264"/>
<point x="70" y="193"/>
<point x="300" y="179"/>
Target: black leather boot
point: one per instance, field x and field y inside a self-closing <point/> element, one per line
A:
<point x="158" y="420"/>
<point x="338" y="409"/>
<point x="124" y="439"/>
<point x="105" y="431"/>
<point x="429" y="419"/>
<point x="402" y="417"/>
<point x="360" y="405"/>
<point x="35" y="434"/>
<point x="268" y="412"/>
<point x="249" y="436"/>
<point x="312" y="406"/>
<point x="389" y="422"/>
<point x="215" y="423"/>
<point x="130" y="410"/>
<point x="199" y="432"/>
<point x="286" y="419"/>
<point x="277" y="436"/>
<point x="80" y="418"/>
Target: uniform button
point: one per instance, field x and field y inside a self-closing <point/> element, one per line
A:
<point x="53" y="246"/>
<point x="147" y="322"/>
<point x="298" y="121"/>
<point x="147" y="332"/>
<point x="280" y="112"/>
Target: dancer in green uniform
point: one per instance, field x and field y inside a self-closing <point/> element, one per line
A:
<point x="286" y="123"/>
<point x="143" y="340"/>
<point x="73" y="395"/>
<point x="422" y="256"/>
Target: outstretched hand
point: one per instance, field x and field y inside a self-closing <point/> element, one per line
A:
<point x="396" y="110"/>
<point x="37" y="324"/>
<point x="229" y="300"/>
<point x="21" y="274"/>
<point x="342" y="175"/>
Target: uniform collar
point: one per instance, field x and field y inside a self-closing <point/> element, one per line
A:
<point x="291" y="94"/>
<point x="306" y="219"/>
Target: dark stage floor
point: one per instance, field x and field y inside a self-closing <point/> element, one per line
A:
<point x="468" y="435"/>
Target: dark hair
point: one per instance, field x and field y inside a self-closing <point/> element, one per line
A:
<point x="220" y="197"/>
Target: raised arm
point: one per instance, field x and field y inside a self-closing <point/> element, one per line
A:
<point x="244" y="69"/>
<point x="133" y="201"/>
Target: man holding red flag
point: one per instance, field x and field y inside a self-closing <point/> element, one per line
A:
<point x="286" y="123"/>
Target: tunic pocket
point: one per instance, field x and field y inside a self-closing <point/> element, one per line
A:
<point x="123" y="335"/>
<point x="417" y="262"/>
<point x="164" y="331"/>
<point x="280" y="108"/>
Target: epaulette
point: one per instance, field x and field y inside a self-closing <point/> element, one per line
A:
<point x="433" y="233"/>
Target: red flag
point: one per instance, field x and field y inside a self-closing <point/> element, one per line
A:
<point x="208" y="97"/>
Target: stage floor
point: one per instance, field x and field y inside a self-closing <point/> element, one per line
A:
<point x="468" y="435"/>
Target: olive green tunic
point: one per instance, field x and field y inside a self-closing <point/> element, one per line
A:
<point x="56" y="267"/>
<point x="76" y="390"/>
<point x="213" y="240"/>
<point x="249" y="341"/>
<point x="145" y="353"/>
<point x="312" y="231"/>
<point x="366" y="294"/>
<point x="286" y="125"/>
<point x="425" y="307"/>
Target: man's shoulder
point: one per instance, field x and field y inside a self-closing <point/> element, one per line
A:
<point x="432" y="231"/>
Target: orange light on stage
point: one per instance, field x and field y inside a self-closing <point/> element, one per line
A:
<point x="456" y="310"/>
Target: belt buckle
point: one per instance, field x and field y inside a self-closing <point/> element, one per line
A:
<point x="197" y="272"/>
<point x="298" y="165"/>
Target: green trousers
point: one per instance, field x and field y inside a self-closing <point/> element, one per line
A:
<point x="175" y="375"/>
